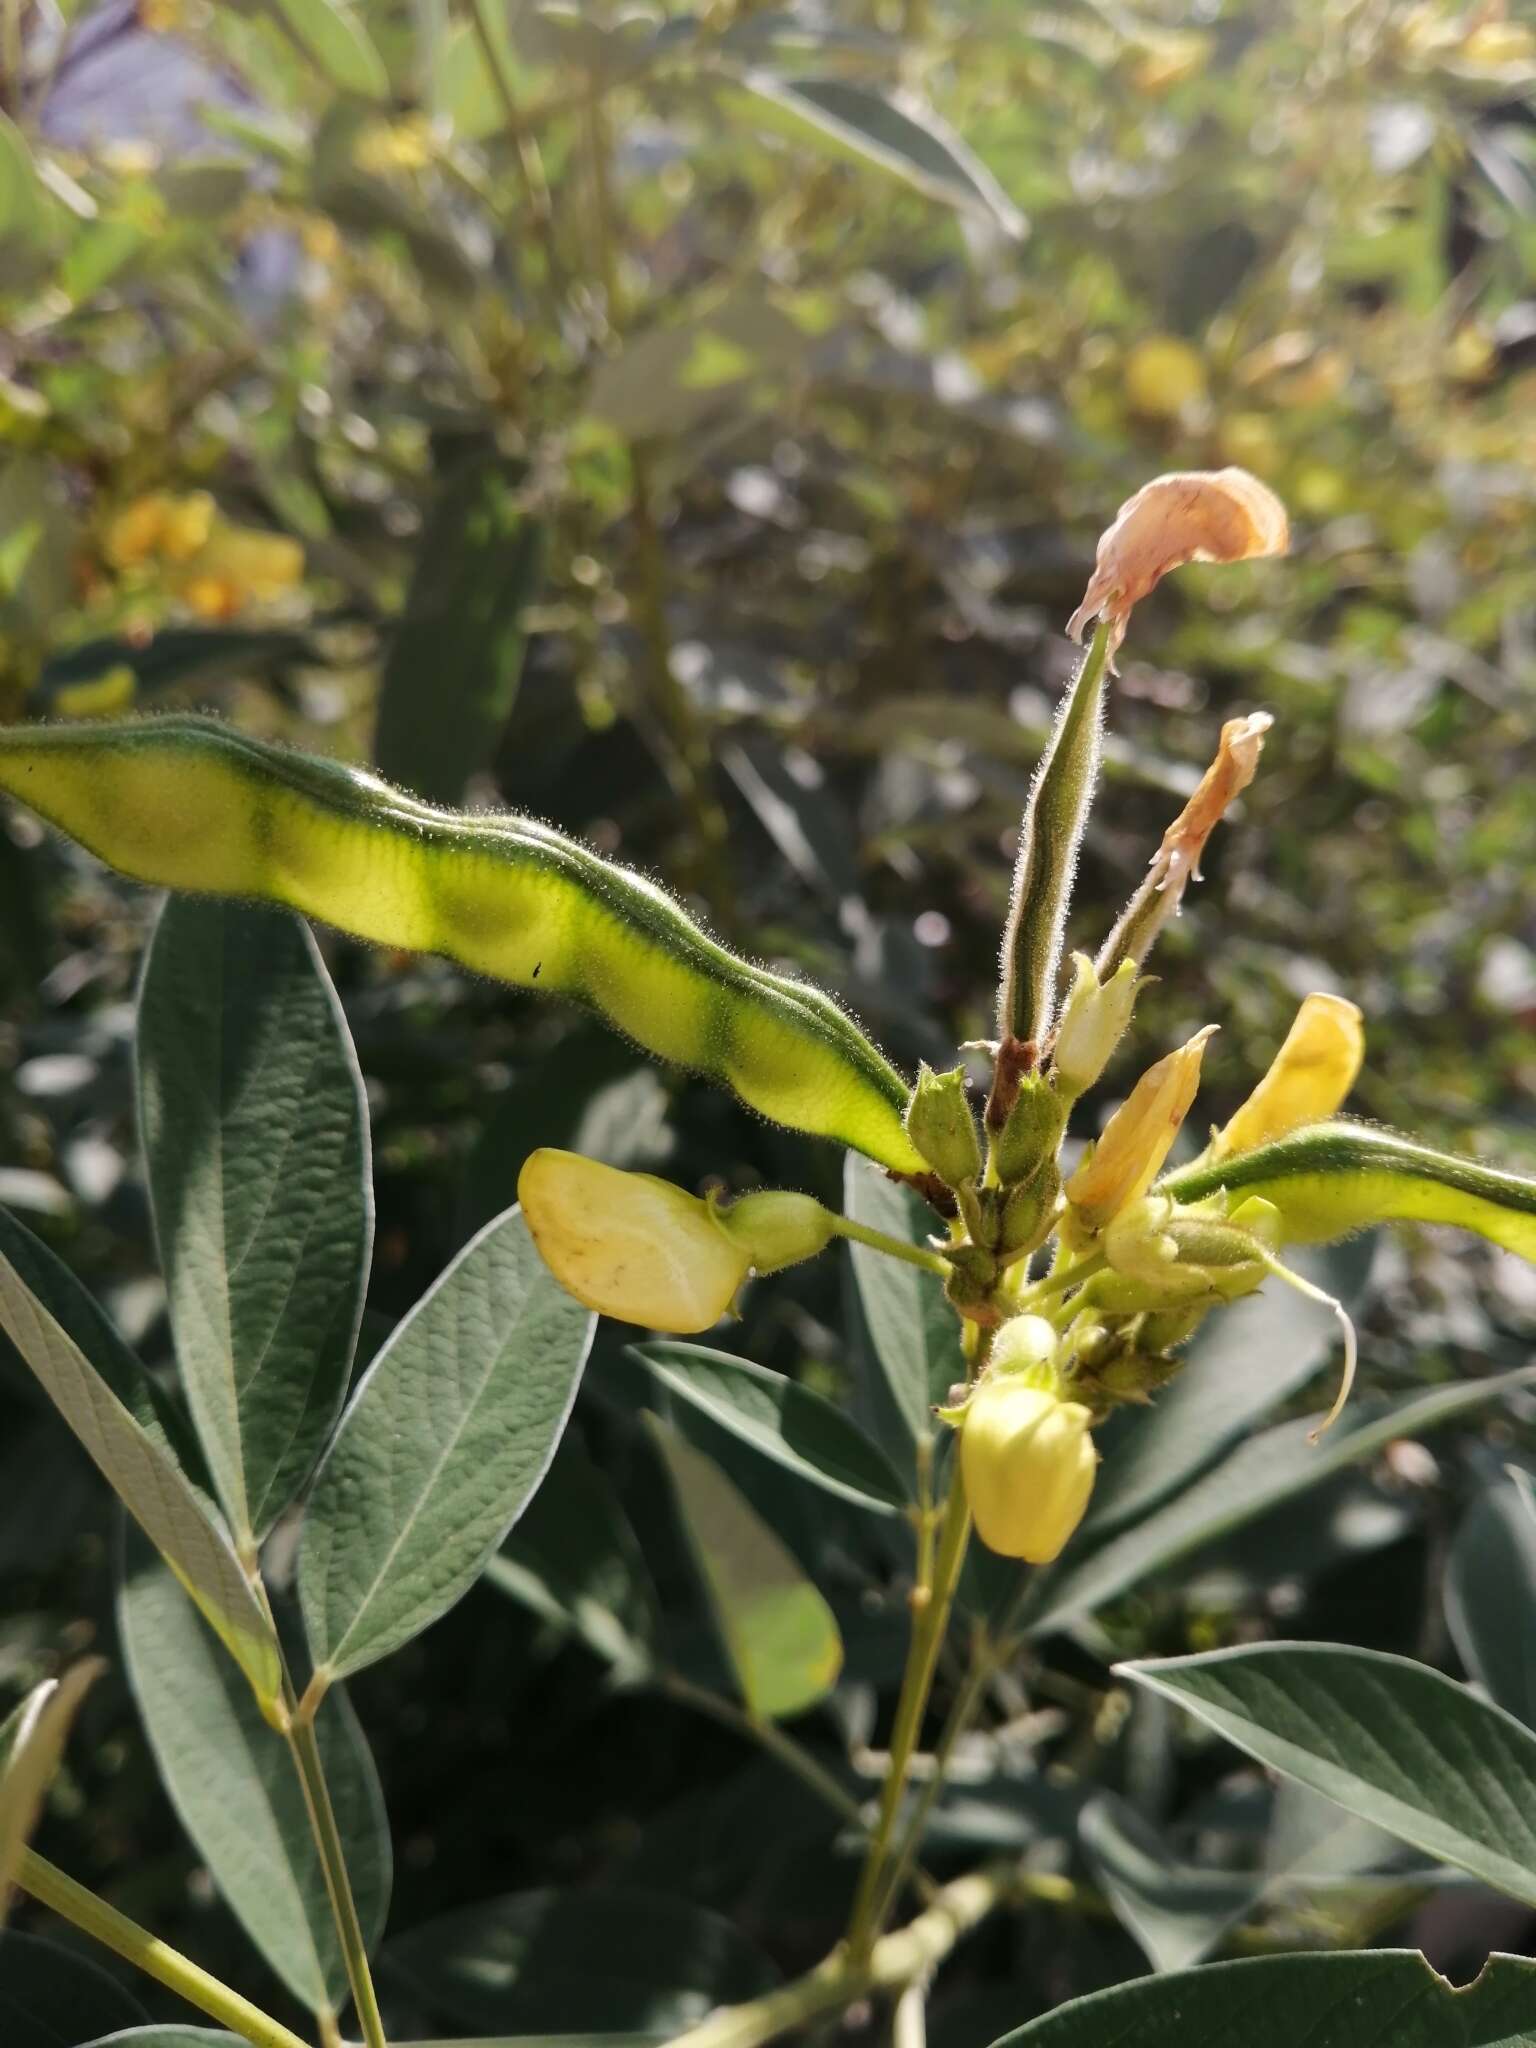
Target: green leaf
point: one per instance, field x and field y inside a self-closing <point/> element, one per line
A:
<point x="1261" y="1473"/>
<point x="52" y="1998"/>
<point x="1354" y="2000"/>
<point x="150" y="1484"/>
<point x="914" y="1333"/>
<point x="23" y="203"/>
<point x="667" y="379"/>
<point x="255" y="1131"/>
<point x="1334" y="1178"/>
<point x="1176" y="1912"/>
<point x="86" y="1324"/>
<point x="31" y="1747"/>
<point x="910" y="141"/>
<point x="441" y="1447"/>
<point x="587" y="1962"/>
<point x="778" y="1631"/>
<point x="334" y="40"/>
<point x="451" y="678"/>
<point x="784" y="1421"/>
<point x="237" y="1793"/>
<point x="573" y="1560"/>
<point x="175" y="658"/>
<point x="1245" y="1362"/>
<point x="1393" y="1741"/>
<point x="165" y="2037"/>
<point x="1490" y="1594"/>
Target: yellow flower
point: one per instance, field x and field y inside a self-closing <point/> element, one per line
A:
<point x="638" y="1248"/>
<point x="1093" y="1022"/>
<point x="630" y="1245"/>
<point x="1307" y="1081"/>
<point x="1138" y="1137"/>
<point x="1027" y="1462"/>
<point x="1164" y="375"/>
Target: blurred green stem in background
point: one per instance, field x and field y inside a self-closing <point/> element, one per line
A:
<point x="136" y="1945"/>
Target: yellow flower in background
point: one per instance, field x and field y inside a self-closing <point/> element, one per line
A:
<point x="1138" y="1137"/>
<point x="1163" y="375"/>
<point x="1308" y="1078"/>
<point x="1027" y="1463"/>
<point x="160" y="526"/>
<point x="220" y="568"/>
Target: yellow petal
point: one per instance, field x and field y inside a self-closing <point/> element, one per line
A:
<point x="629" y="1245"/>
<point x="1308" y="1078"/>
<point x="1138" y="1137"/>
<point x="1027" y="1462"/>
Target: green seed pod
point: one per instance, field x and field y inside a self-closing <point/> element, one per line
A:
<point x="1335" y="1178"/>
<point x="1027" y="1463"/>
<point x="1032" y="1134"/>
<point x="941" y="1126"/>
<point x="186" y="803"/>
<point x="776" y="1228"/>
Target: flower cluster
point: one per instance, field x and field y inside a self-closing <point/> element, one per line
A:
<point x="1076" y="1290"/>
<point x="216" y="569"/>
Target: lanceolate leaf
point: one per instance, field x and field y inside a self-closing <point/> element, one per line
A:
<point x="256" y="1139"/>
<point x="1490" y="1594"/>
<point x="186" y="803"/>
<point x="148" y="1482"/>
<point x="85" y="1323"/>
<point x="1334" y="1178"/>
<point x="233" y="1783"/>
<point x="913" y="143"/>
<point x="453" y="669"/>
<point x="1387" y="1997"/>
<point x="779" y="1418"/>
<point x="1261" y="1473"/>
<point x="1393" y="1741"/>
<point x="31" y="1745"/>
<point x="779" y="1632"/>
<point x="913" y="1331"/>
<point x="450" y="1431"/>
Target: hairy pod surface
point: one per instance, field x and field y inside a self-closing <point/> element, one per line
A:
<point x="187" y="803"/>
<point x="1339" y="1177"/>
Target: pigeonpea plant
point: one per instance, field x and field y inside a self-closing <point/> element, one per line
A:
<point x="1072" y="1282"/>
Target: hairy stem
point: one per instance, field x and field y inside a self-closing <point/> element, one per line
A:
<point x="136" y="1945"/>
<point x="894" y="1247"/>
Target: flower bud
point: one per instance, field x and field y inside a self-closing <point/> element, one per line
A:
<point x="1029" y="1211"/>
<point x="1138" y="1137"/>
<point x="1032" y="1134"/>
<point x="1180" y="1255"/>
<point x="629" y="1245"/>
<point x="1308" y="1078"/>
<point x="1027" y="1345"/>
<point x="775" y="1228"/>
<point x="941" y="1126"/>
<point x="1093" y="1021"/>
<point x="1027" y="1463"/>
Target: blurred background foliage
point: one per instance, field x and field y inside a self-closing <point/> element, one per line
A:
<point x="693" y="427"/>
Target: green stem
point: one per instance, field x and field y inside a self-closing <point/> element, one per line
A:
<point x="530" y="165"/>
<point x="891" y="1964"/>
<point x="136" y="1945"/>
<point x="933" y="1600"/>
<point x="769" y="1736"/>
<point x="894" y="1247"/>
<point x="305" y="1751"/>
<point x="980" y="1669"/>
